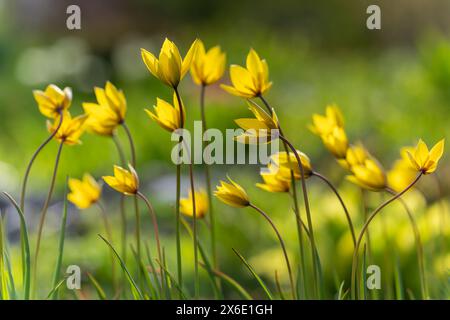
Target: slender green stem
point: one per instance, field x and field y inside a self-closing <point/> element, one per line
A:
<point x="208" y="181"/>
<point x="154" y="222"/>
<point x="44" y="213"/>
<point x="136" y="205"/>
<point x="419" y="245"/>
<point x="138" y="227"/>
<point x="347" y="214"/>
<point x="123" y="215"/>
<point x="132" y="147"/>
<point x="109" y="236"/>
<point x="30" y="164"/>
<point x="62" y="235"/>
<point x="308" y="212"/>
<point x="194" y="215"/>
<point x="177" y="227"/>
<point x="366" y="225"/>
<point x="283" y="247"/>
<point x="178" y="196"/>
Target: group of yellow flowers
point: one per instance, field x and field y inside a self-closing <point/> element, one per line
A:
<point x="251" y="83"/>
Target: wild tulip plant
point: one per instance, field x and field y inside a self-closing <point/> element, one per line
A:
<point x="287" y="170"/>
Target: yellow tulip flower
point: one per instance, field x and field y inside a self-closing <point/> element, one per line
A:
<point x="170" y="68"/>
<point x="369" y="175"/>
<point x="123" y="181"/>
<point x="424" y="160"/>
<point x="85" y="192"/>
<point x="336" y="142"/>
<point x="285" y="164"/>
<point x="232" y="194"/>
<point x="71" y="128"/>
<point x="259" y="127"/>
<point x="167" y="115"/>
<point x="402" y="172"/>
<point x="324" y="125"/>
<point x="251" y="81"/>
<point x="356" y="155"/>
<point x="273" y="181"/>
<point x="201" y="204"/>
<point x="53" y="100"/>
<point x="207" y="67"/>
<point x="330" y="128"/>
<point x="108" y="112"/>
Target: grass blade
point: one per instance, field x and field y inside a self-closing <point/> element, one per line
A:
<point x="25" y="247"/>
<point x="153" y="269"/>
<point x="124" y="268"/>
<point x="62" y="236"/>
<point x="172" y="279"/>
<point x="252" y="271"/>
<point x="240" y="289"/>
<point x="55" y="288"/>
<point x="100" y="292"/>
<point x="143" y="269"/>
<point x="206" y="262"/>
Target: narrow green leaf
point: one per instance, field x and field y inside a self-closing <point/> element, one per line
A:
<point x="252" y="271"/>
<point x="240" y="289"/>
<point x="143" y="269"/>
<point x="124" y="268"/>
<point x="183" y="295"/>
<point x="398" y="281"/>
<point x="100" y="292"/>
<point x="26" y="247"/>
<point x="62" y="234"/>
<point x="55" y="288"/>
<point x="206" y="261"/>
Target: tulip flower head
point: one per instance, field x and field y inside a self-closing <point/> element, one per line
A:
<point x="425" y="160"/>
<point x="169" y="68"/>
<point x="167" y="115"/>
<point x="274" y="181"/>
<point x="109" y="111"/>
<point x="356" y="155"/>
<point x="263" y="127"/>
<point x="71" y="128"/>
<point x="369" y="175"/>
<point x="232" y="194"/>
<point x="53" y="100"/>
<point x="251" y="81"/>
<point x="286" y="163"/>
<point x="207" y="66"/>
<point x="330" y="128"/>
<point x="123" y="181"/>
<point x="401" y="175"/>
<point x="201" y="204"/>
<point x="85" y="192"/>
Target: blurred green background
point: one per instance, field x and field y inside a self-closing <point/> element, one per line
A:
<point x="393" y="86"/>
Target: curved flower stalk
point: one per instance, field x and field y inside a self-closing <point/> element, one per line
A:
<point x="51" y="102"/>
<point x="425" y="162"/>
<point x="66" y="133"/>
<point x="127" y="182"/>
<point x="83" y="194"/>
<point x="206" y="69"/>
<point x="234" y="195"/>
